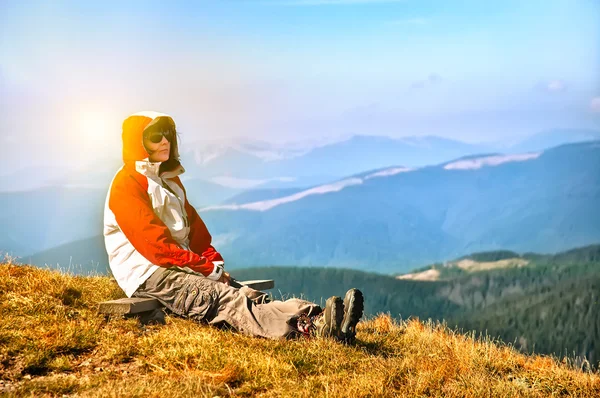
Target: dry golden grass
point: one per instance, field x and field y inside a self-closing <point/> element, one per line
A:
<point x="53" y="343"/>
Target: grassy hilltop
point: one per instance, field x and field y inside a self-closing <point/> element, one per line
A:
<point x="53" y="342"/>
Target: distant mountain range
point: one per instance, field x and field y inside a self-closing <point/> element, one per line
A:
<point x="82" y="257"/>
<point x="47" y="217"/>
<point x="240" y="164"/>
<point x="246" y="164"/>
<point x="552" y="138"/>
<point x="258" y="160"/>
<point x="394" y="219"/>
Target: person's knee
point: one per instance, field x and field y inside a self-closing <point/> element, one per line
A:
<point x="196" y="299"/>
<point x="256" y="296"/>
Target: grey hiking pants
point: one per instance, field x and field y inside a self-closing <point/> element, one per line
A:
<point x="245" y="310"/>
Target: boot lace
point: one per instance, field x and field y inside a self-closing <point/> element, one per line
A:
<point x="307" y="326"/>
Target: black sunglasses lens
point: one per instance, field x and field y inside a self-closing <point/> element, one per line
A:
<point x="157" y="137"/>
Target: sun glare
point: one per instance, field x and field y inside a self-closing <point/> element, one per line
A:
<point x="98" y="133"/>
<point x="94" y="127"/>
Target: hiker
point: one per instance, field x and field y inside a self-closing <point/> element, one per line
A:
<point x="159" y="247"/>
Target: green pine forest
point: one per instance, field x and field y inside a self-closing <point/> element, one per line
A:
<point x="548" y="306"/>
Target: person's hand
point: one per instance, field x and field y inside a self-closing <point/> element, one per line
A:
<point x="225" y="278"/>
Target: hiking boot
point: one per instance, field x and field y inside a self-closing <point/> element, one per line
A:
<point x="326" y="324"/>
<point x="353" y="311"/>
<point x="330" y="322"/>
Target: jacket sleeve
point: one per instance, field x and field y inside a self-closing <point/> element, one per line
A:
<point x="200" y="238"/>
<point x="133" y="211"/>
<point x="198" y="232"/>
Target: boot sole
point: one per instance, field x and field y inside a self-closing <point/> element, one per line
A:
<point x="354" y="306"/>
<point x="334" y="314"/>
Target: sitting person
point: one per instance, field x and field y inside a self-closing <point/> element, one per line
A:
<point x="159" y="247"/>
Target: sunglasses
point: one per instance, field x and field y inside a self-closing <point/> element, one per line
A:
<point x="157" y="136"/>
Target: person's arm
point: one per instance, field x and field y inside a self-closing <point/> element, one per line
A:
<point x="133" y="211"/>
<point x="200" y="238"/>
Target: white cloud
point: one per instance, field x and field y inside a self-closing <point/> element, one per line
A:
<point x="595" y="105"/>
<point x="246" y="183"/>
<point x="337" y="186"/>
<point x="552" y="86"/>
<point x="477" y="163"/>
<point x="388" y="172"/>
<point x="269" y="204"/>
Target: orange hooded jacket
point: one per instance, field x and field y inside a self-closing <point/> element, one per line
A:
<point x="148" y="221"/>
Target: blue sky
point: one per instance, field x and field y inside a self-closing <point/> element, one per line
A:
<point x="294" y="70"/>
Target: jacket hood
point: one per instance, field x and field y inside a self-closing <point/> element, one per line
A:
<point x="133" y="138"/>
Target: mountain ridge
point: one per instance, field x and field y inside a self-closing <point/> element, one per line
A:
<point x="428" y="214"/>
<point x="261" y="160"/>
<point x="413" y="217"/>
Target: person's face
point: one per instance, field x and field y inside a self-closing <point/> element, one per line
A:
<point x="159" y="151"/>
